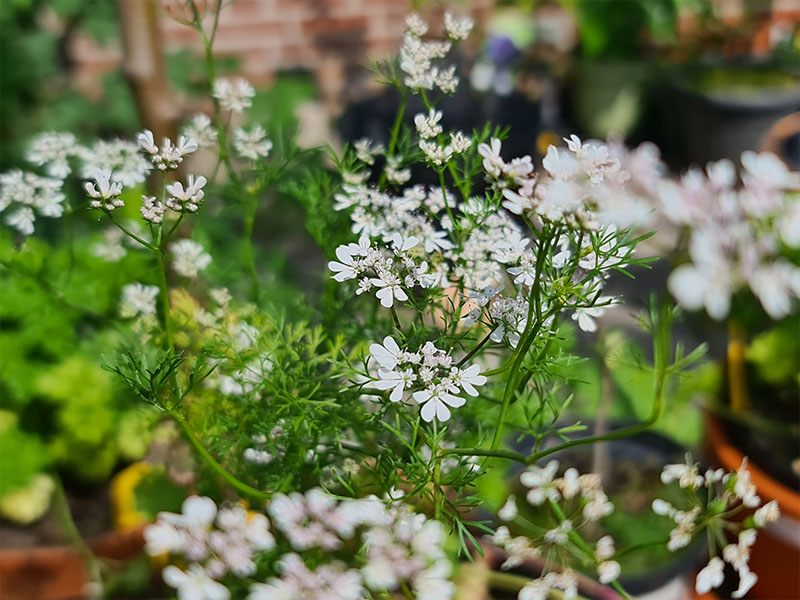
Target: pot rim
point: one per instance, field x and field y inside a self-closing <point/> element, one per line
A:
<point x="731" y="458"/>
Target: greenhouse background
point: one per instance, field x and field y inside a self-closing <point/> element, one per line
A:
<point x="377" y="299"/>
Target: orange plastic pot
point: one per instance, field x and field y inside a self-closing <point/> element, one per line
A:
<point x="57" y="572"/>
<point x="775" y="557"/>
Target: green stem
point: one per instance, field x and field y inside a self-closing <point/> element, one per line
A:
<point x="93" y="565"/>
<point x="437" y="474"/>
<point x="496" y="453"/>
<point x="129" y="233"/>
<point x="475" y="350"/>
<point x="660" y="360"/>
<point x="249" y="221"/>
<point x="447" y="204"/>
<point x="398" y="121"/>
<point x="164" y="293"/>
<point x="528" y="335"/>
<point x="396" y="320"/>
<point x="212" y="462"/>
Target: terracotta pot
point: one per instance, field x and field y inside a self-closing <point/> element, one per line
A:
<point x="57" y="572"/>
<point x="776" y="554"/>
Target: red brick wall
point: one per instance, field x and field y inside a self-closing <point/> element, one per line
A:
<point x="331" y="38"/>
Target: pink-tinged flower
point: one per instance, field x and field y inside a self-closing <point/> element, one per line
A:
<point x="194" y="584"/>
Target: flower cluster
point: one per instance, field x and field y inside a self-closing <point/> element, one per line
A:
<point x="104" y="192"/>
<point x="53" y="150"/>
<point x="121" y="157"/>
<point x="188" y="198"/>
<point x="736" y="233"/>
<point x="28" y="194"/>
<point x="138" y="299"/>
<point x="722" y="493"/>
<point x="401" y="548"/>
<point x="200" y="129"/>
<point x="168" y="156"/>
<point x="189" y="258"/>
<point x="583" y="501"/>
<point x="389" y="270"/>
<point x="252" y="144"/>
<point x="234" y="95"/>
<point x="429" y="376"/>
<point x="417" y="56"/>
<point x="587" y="186"/>
<point x="544" y="486"/>
<point x="422" y="213"/>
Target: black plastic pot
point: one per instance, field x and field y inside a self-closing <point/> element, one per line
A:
<point x="701" y="124"/>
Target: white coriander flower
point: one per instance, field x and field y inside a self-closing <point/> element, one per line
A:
<point x="509" y="510"/>
<point x="446" y="80"/>
<point x="26" y="192"/>
<point x="493" y="163"/>
<point x="122" y="157"/>
<point x="194" y="584"/>
<point x="388" y="355"/>
<point x="586" y="317"/>
<point x="22" y="219"/>
<point x="365" y="151"/>
<point x="415" y="25"/>
<point x="436" y="154"/>
<point x="138" y="299"/>
<point x="459" y="142"/>
<point x="608" y="571"/>
<point x="428" y="126"/>
<point x="53" y="150"/>
<point x="397" y="381"/>
<point x="711" y="576"/>
<point x="199" y="128"/>
<point x="189" y="258"/>
<point x="252" y="144"/>
<point x="467" y="379"/>
<point x="394" y="174"/>
<point x="234" y="95"/>
<point x="188" y="199"/>
<point x="769" y="513"/>
<point x="435" y="402"/>
<point x="747" y="579"/>
<point x="389" y="289"/>
<point x="347" y="267"/>
<point x="457" y="28"/>
<point x="152" y="210"/>
<point x="104" y="192"/>
<point x="169" y="156"/>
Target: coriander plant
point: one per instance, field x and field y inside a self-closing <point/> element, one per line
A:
<point x="343" y="452"/>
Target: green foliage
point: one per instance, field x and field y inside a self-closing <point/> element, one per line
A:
<point x="155" y="492"/>
<point x="615" y="29"/>
<point x="24" y="455"/>
<point x="775" y="353"/>
<point x="35" y="89"/>
<point x="55" y="315"/>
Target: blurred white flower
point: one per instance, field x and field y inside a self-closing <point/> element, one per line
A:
<point x="252" y="144"/>
<point x="138" y="299"/>
<point x="234" y="95"/>
<point x="189" y="258"/>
